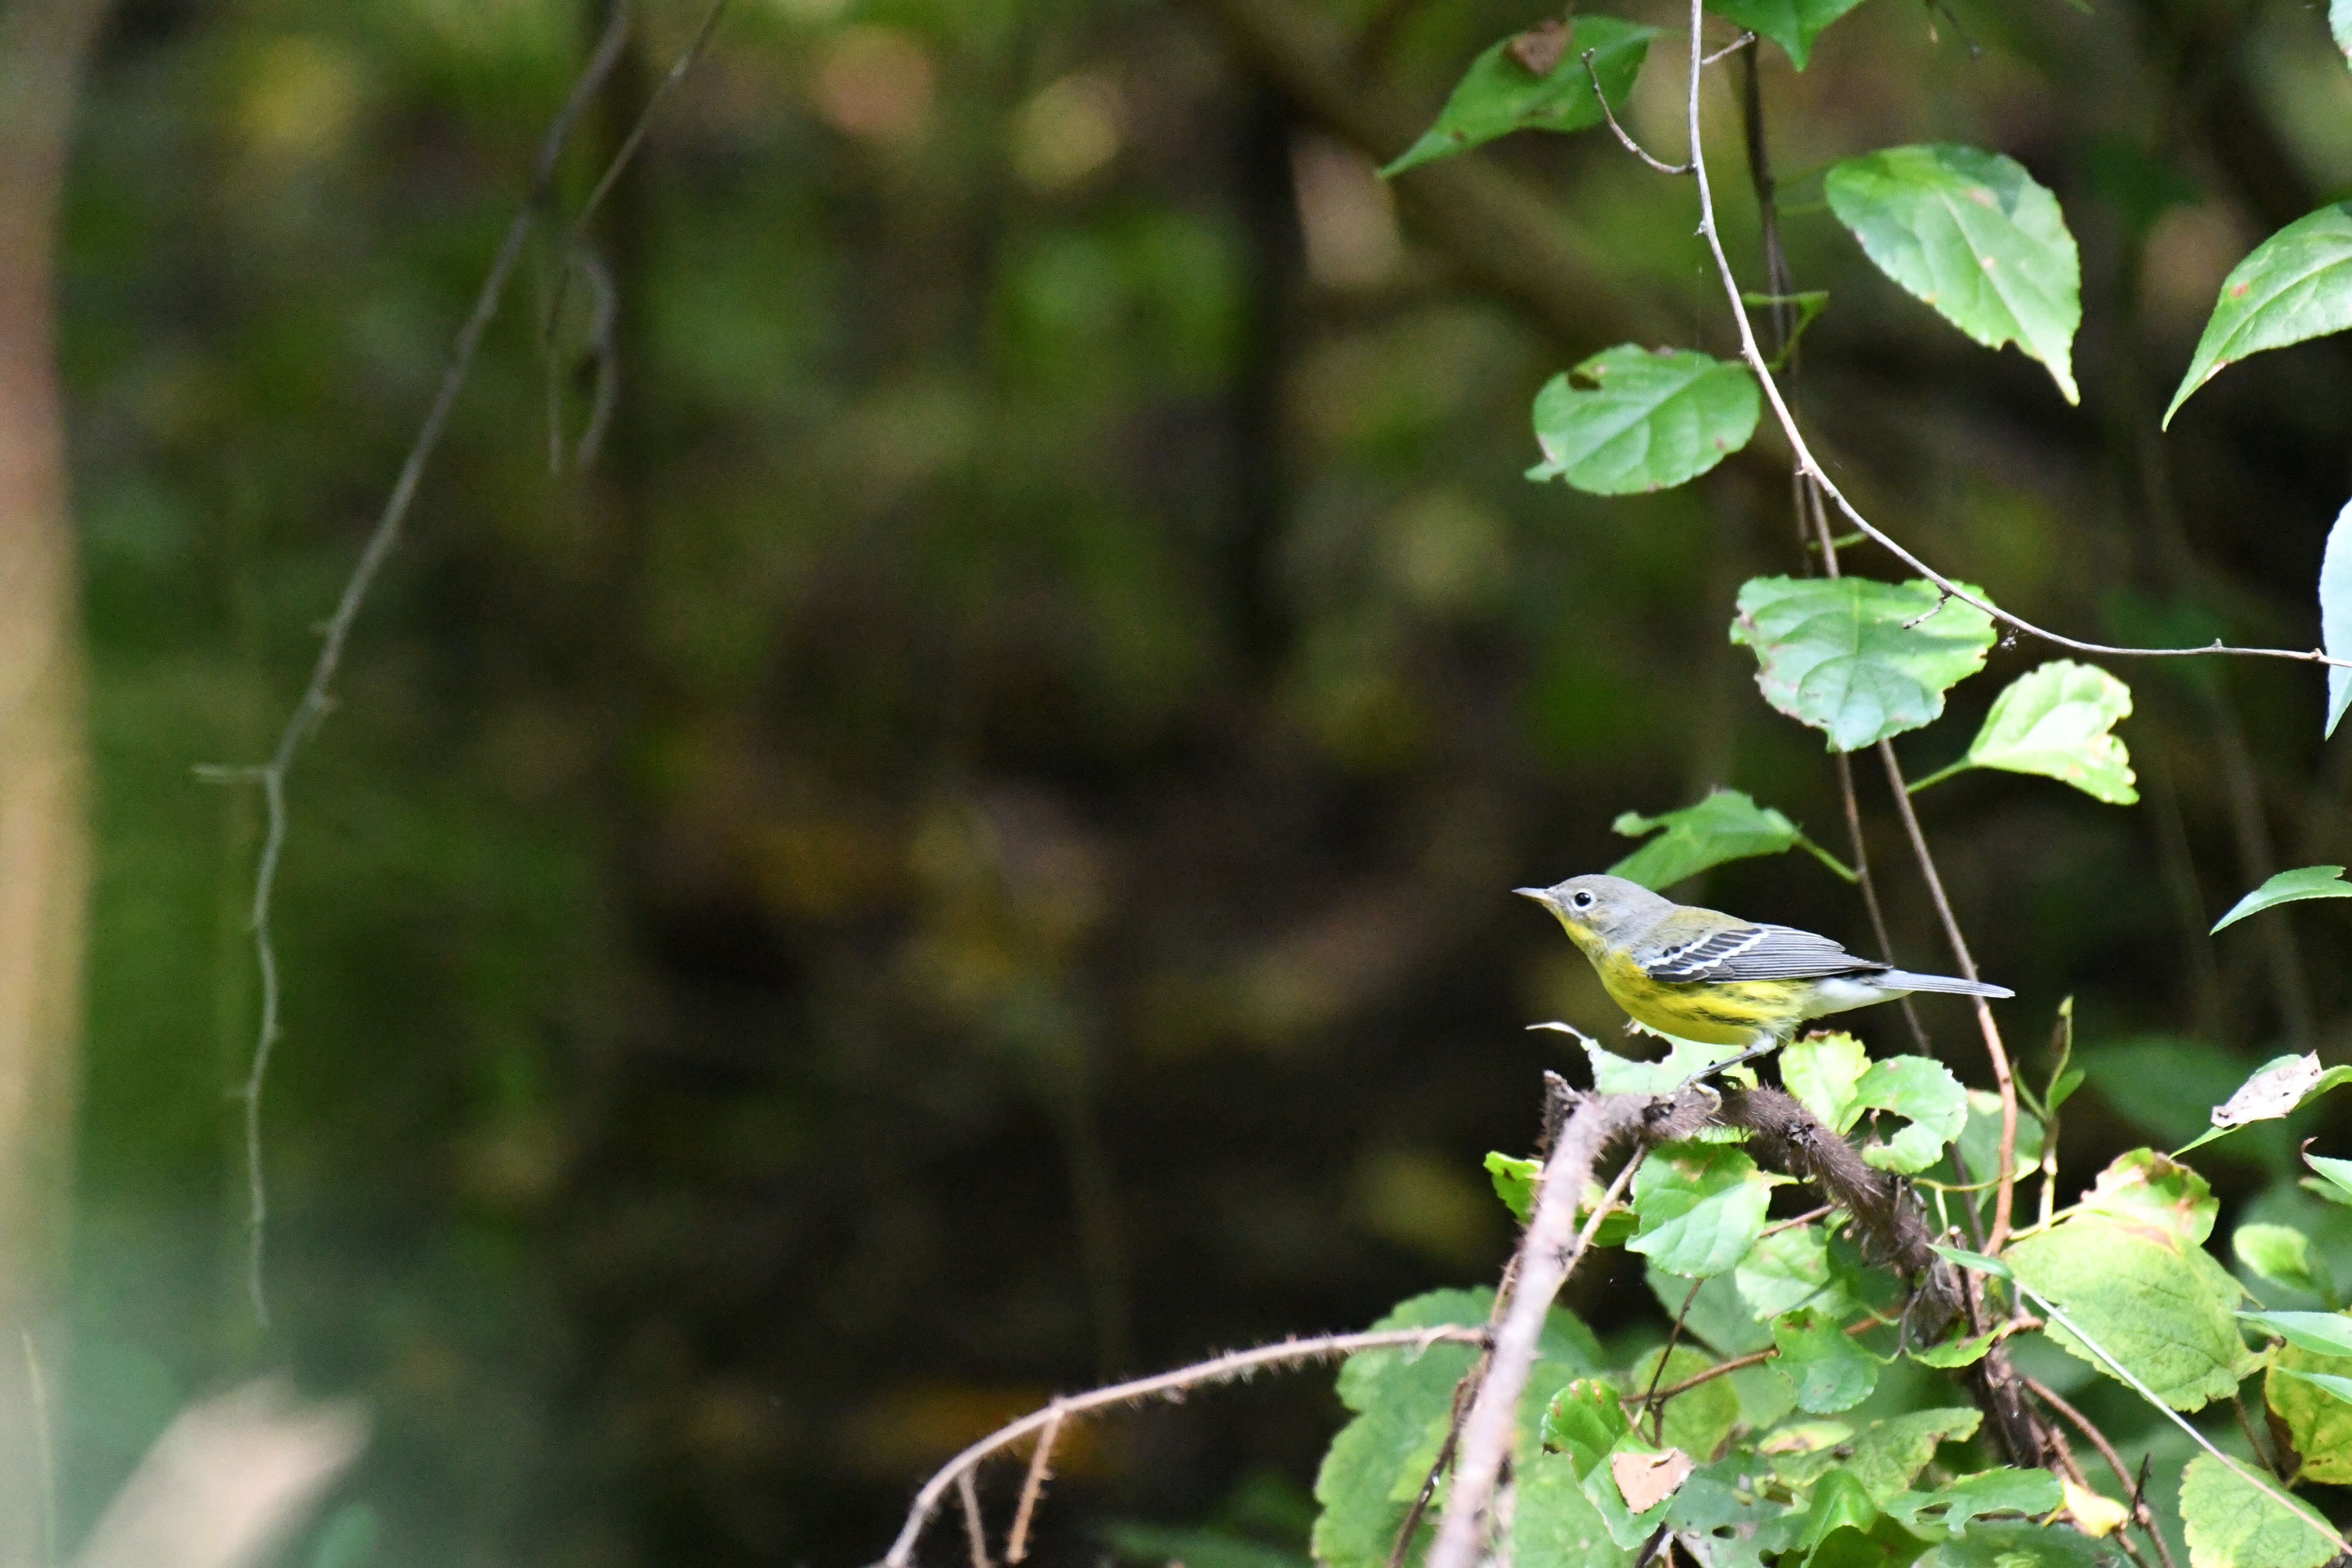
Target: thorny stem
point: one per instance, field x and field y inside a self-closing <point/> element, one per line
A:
<point x="1163" y="1386"/>
<point x="1016" y="1546"/>
<point x="975" y="1534"/>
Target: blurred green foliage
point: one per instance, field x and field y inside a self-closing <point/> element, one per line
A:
<point x="971" y="851"/>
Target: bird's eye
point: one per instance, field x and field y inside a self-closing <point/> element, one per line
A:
<point x="1582" y="900"/>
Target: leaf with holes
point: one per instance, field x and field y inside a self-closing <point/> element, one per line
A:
<point x="1726" y="826"/>
<point x="2296" y="285"/>
<point x="2232" y="1523"/>
<point x="1949" y="1509"/>
<point x="1923" y="1092"/>
<point x="2280" y="1087"/>
<point x="1859" y="660"/>
<point x="2311" y="1395"/>
<point x="1973" y="235"/>
<point x="2304" y="882"/>
<point x="1647" y="421"/>
<point x="1791" y="24"/>
<point x="2055" y="721"/>
<point x="1501" y="94"/>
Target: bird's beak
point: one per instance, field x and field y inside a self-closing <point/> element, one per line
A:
<point x="1541" y="895"/>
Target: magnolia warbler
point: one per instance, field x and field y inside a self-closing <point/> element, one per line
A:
<point x="1697" y="974"/>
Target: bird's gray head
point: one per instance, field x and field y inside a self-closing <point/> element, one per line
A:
<point x="1601" y="909"/>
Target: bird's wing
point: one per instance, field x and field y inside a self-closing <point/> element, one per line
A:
<point x="1747" y="953"/>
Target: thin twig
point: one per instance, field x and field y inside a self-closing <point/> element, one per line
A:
<point x="1731" y="49"/>
<point x="1809" y="466"/>
<point x="2004" y="1194"/>
<point x="1163" y="1386"/>
<point x="317" y="695"/>
<point x="1016" y="1546"/>
<point x="1674" y="1337"/>
<point x="2141" y="1514"/>
<point x="2262" y="1454"/>
<point x="975" y="1534"/>
<point x="1778" y="1226"/>
<point x="1626" y="140"/>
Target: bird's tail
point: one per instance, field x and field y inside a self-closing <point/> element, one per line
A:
<point x="1903" y="980"/>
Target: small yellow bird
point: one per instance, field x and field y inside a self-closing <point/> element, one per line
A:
<point x="1697" y="974"/>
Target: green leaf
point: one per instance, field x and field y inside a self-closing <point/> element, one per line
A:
<point x="1858" y="660"/>
<point x="2001" y="1490"/>
<point x="1614" y="1074"/>
<point x="2322" y="1333"/>
<point x="1886" y="1455"/>
<point x="1957" y="1351"/>
<point x="2158" y="1303"/>
<point x="1701" y="1207"/>
<point x="2335" y="606"/>
<point x="1498" y="94"/>
<point x="2055" y="721"/>
<point x="2308" y="882"/>
<point x="2281" y="1255"/>
<point x="1822" y="1361"/>
<point x="1791" y="24"/>
<point x="2297" y="284"/>
<point x="1820" y="1070"/>
<point x="1515" y="1182"/>
<point x="1698" y="1421"/>
<point x="1718" y="1316"/>
<point x="2017" y="1546"/>
<point x="2156" y="1191"/>
<point x="1976" y="1261"/>
<point x="1972" y="234"/>
<point x="2312" y="1394"/>
<point x="1979" y="1141"/>
<point x="2279" y="1087"/>
<point x="1401" y="1400"/>
<point x="2232" y="1524"/>
<point x="1726" y="826"/>
<point x="1791" y="1269"/>
<point x="2337" y="1174"/>
<point x="1584" y="1421"/>
<point x="1648" y="420"/>
<point x="1925" y="1094"/>
<point x="1555" y="1524"/>
<point x="1719" y="1504"/>
<point x="2339" y="22"/>
<point x="1884" y="1544"/>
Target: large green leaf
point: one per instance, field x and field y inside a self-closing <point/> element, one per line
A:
<point x="2157" y="1192"/>
<point x="2055" y="721"/>
<point x="2322" y="1333"/>
<point x="1498" y="94"/>
<point x="1822" y="1361"/>
<point x="1614" y="1074"/>
<point x="1701" y="1206"/>
<point x="1647" y="421"/>
<point x="1858" y="660"/>
<point x="1886" y="1455"/>
<point x="1726" y="826"/>
<point x="2162" y="1307"/>
<point x="1791" y="24"/>
<point x="1922" y="1091"/>
<point x="2285" y="888"/>
<point x="2317" y="1421"/>
<point x="2296" y="284"/>
<point x="1792" y="1269"/>
<point x="1554" y="1524"/>
<point x="2335" y="609"/>
<point x="2232" y="1524"/>
<point x="1972" y="234"/>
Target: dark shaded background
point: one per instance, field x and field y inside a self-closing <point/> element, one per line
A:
<point x="969" y="853"/>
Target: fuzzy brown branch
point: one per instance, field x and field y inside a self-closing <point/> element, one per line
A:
<point x="1016" y="1546"/>
<point x="1171" y="1385"/>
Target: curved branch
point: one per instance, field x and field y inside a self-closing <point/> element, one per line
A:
<point x="1166" y="1385"/>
